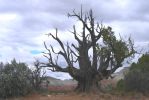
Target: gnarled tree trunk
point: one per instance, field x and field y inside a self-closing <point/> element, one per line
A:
<point x="94" y="66"/>
<point x="88" y="84"/>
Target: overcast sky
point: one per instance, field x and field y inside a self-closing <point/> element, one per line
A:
<point x="24" y="23"/>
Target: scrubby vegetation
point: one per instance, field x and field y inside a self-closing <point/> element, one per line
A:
<point x="120" y="85"/>
<point x="16" y="79"/>
<point x="137" y="78"/>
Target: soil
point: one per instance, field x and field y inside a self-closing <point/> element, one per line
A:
<point x="74" y="96"/>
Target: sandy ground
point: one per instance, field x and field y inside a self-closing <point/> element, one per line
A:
<point x="74" y="96"/>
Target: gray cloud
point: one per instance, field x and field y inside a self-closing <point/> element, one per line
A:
<point x="39" y="15"/>
<point x="24" y="22"/>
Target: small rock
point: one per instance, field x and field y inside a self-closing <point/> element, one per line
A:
<point x="49" y="96"/>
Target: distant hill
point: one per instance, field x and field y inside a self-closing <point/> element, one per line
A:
<point x="120" y="75"/>
<point x="58" y="82"/>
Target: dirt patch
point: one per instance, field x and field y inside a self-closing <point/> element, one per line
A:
<point x="62" y="88"/>
<point x="75" y="96"/>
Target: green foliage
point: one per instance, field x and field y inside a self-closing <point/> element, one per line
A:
<point x="14" y="79"/>
<point x="137" y="81"/>
<point x="117" y="48"/>
<point x="108" y="88"/>
<point x="138" y="77"/>
<point x="120" y="85"/>
<point x="142" y="64"/>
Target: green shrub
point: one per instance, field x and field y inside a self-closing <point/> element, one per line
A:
<point x="14" y="80"/>
<point x="120" y="85"/>
<point x="138" y="77"/>
<point x="137" y="81"/>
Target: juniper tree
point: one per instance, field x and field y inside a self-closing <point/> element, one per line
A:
<point x="107" y="52"/>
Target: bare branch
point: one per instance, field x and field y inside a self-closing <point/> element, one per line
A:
<point x="75" y="34"/>
<point x="81" y="19"/>
<point x="99" y="30"/>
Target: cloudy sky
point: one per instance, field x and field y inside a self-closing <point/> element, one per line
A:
<point x="24" y="23"/>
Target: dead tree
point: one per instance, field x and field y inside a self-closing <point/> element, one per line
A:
<point x="105" y="58"/>
<point x="37" y="76"/>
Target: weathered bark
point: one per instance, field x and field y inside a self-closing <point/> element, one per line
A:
<point x="95" y="66"/>
<point x="88" y="84"/>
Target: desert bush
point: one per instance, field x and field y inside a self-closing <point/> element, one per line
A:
<point x="138" y="77"/>
<point x="108" y="88"/>
<point x="14" y="79"/>
<point x="120" y="85"/>
<point x="137" y="81"/>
